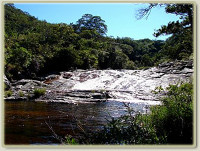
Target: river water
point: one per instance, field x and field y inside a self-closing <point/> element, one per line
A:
<point x="25" y="122"/>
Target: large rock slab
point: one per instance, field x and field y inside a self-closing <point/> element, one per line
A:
<point x="88" y="86"/>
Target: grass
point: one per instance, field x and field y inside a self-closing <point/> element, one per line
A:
<point x="39" y="92"/>
<point x="21" y="93"/>
<point x="8" y="93"/>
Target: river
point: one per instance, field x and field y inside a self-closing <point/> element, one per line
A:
<point x="25" y="120"/>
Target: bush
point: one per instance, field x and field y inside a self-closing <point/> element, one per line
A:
<point x="21" y="93"/>
<point x="8" y="93"/>
<point x="39" y="92"/>
<point x="69" y="140"/>
<point x="169" y="123"/>
<point x="174" y="119"/>
<point x="125" y="130"/>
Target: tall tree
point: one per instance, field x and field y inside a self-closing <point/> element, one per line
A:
<point x="90" y="22"/>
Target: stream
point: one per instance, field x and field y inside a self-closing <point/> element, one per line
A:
<point x="25" y="120"/>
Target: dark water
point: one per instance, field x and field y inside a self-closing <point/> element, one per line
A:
<point x="25" y="122"/>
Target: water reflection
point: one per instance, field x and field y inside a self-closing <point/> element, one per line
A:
<point x="25" y="121"/>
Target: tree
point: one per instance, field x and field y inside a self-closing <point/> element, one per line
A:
<point x="185" y="11"/>
<point x="180" y="44"/>
<point x="90" y="22"/>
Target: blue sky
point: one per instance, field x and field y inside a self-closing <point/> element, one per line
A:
<point x="119" y="17"/>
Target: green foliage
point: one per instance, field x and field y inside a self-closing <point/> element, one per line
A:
<point x="19" y="57"/>
<point x="175" y="117"/>
<point x="157" y="90"/>
<point x="185" y="11"/>
<point x="180" y="44"/>
<point x="177" y="111"/>
<point x="39" y="92"/>
<point x="125" y="130"/>
<point x="8" y="93"/>
<point x="21" y="94"/>
<point x="69" y="140"/>
<point x="35" y="48"/>
<point x="90" y="22"/>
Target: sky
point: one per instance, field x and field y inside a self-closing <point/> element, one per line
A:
<point x="120" y="18"/>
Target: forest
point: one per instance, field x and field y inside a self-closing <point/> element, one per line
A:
<point x="35" y="48"/>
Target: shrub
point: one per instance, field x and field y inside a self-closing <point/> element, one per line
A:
<point x="69" y="140"/>
<point x="174" y="119"/>
<point x="8" y="93"/>
<point x="21" y="93"/>
<point x="39" y="92"/>
<point x="127" y="129"/>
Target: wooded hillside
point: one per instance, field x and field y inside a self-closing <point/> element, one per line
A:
<point x="34" y="48"/>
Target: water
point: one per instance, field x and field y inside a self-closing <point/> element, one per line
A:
<point x="25" y="121"/>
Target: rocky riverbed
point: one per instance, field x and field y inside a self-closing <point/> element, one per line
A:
<point x="89" y="86"/>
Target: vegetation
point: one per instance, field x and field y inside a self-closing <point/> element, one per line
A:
<point x="70" y="140"/>
<point x="174" y="119"/>
<point x="34" y="47"/>
<point x="180" y="44"/>
<point x="90" y="22"/>
<point x="39" y="92"/>
<point x="21" y="93"/>
<point x="126" y="129"/>
<point x="8" y="93"/>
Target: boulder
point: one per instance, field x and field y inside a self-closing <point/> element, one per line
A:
<point x="176" y="67"/>
<point x="7" y="83"/>
<point x="66" y="75"/>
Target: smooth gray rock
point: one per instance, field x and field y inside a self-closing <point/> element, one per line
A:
<point x="89" y="86"/>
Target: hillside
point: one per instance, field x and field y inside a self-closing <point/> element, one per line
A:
<point x="34" y="48"/>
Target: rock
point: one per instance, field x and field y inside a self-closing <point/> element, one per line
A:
<point x="7" y="83"/>
<point x="165" y="64"/>
<point x="66" y="75"/>
<point x="24" y="88"/>
<point x="85" y="86"/>
<point x="25" y="81"/>
<point x="13" y="98"/>
<point x="28" y="85"/>
<point x="174" y="67"/>
<point x="51" y="78"/>
<point x="187" y="71"/>
<point x="98" y="96"/>
<point x="78" y="96"/>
